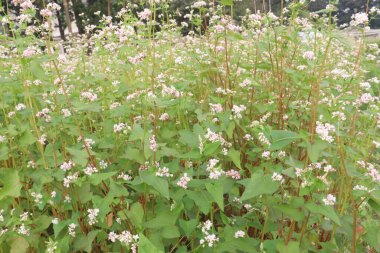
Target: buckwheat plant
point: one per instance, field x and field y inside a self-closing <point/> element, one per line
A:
<point x="252" y="136"/>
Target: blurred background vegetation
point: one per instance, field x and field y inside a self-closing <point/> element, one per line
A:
<point x="82" y="11"/>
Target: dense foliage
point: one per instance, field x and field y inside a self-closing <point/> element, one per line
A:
<point x="81" y="12"/>
<point x="259" y="137"/>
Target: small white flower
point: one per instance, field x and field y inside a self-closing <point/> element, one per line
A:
<point x="183" y="181"/>
<point x="329" y="200"/>
<point x="278" y="177"/>
<point x="72" y="228"/>
<point x="239" y="234"/>
<point x="92" y="214"/>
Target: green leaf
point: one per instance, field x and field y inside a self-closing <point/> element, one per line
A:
<point x="11" y="183"/>
<point x="259" y="185"/>
<point x="211" y="148"/>
<point x="84" y="242"/>
<point x="292" y="247"/>
<point x="227" y="2"/>
<point x="42" y="222"/>
<point x="291" y="211"/>
<point x="230" y="129"/>
<point x="159" y="184"/>
<point x="133" y="155"/>
<point x="216" y="192"/>
<point x="314" y="150"/>
<point x="136" y="214"/>
<point x="201" y="199"/>
<point x="170" y="232"/>
<point x="188" y="138"/>
<point x="375" y="206"/>
<point x="145" y="246"/>
<point x="84" y="192"/>
<point x="163" y="219"/>
<point x="27" y="139"/>
<point x="235" y="157"/>
<point x="4" y="153"/>
<point x="118" y="190"/>
<point x="97" y="178"/>
<point x="87" y="107"/>
<point x="59" y="227"/>
<point x="137" y="133"/>
<point x="281" y="138"/>
<point x="19" y="245"/>
<point x="79" y="156"/>
<point x="327" y="211"/>
<point x="188" y="226"/>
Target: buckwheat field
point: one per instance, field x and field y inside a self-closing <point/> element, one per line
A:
<point x="209" y="135"/>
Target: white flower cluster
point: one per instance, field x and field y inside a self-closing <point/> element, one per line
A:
<point x="245" y="83"/>
<point x="66" y="113"/>
<point x="70" y="179"/>
<point x="89" y="96"/>
<point x="263" y="139"/>
<point x="42" y="140"/>
<point x="92" y="214"/>
<point x="170" y="91"/>
<point x="199" y="4"/>
<point x="371" y="170"/>
<point x="266" y="155"/>
<point x="278" y="177"/>
<point x="329" y="200"/>
<point x="23" y="230"/>
<point x="89" y="142"/>
<point x="89" y="170"/>
<point x="121" y="127"/>
<point x="214" y="172"/>
<point x="20" y="107"/>
<point x="37" y="197"/>
<point x="114" y="105"/>
<point x="215" y="137"/>
<point x="126" y="238"/>
<point x="152" y="143"/>
<point x="324" y="130"/>
<point x="183" y="181"/>
<point x="66" y="166"/>
<point x="71" y="229"/>
<point x="50" y="9"/>
<point x="215" y="108"/>
<point x="366" y="98"/>
<point x="234" y="174"/>
<point x="31" y="164"/>
<point x="340" y="115"/>
<point x="145" y="14"/>
<point x="309" y="55"/>
<point x="124" y="176"/>
<point x="209" y="239"/>
<point x="237" y="110"/>
<point x="163" y="172"/>
<point x="239" y="234"/>
<point x="359" y="19"/>
<point x="164" y="117"/>
<point x="44" y="114"/>
<point x="360" y="188"/>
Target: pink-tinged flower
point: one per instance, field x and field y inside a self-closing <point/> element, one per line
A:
<point x="239" y="234"/>
<point x="183" y="181"/>
<point x="309" y="55"/>
<point x="329" y="200"/>
<point x="153" y="144"/>
<point x="234" y="174"/>
<point x="145" y="14"/>
<point x="278" y="177"/>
